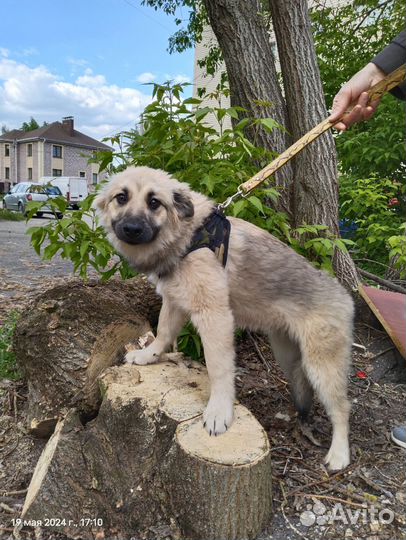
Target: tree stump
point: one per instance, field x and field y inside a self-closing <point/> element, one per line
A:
<point x="146" y="459"/>
<point x="69" y="335"/>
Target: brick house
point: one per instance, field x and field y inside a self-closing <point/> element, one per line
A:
<point x="57" y="149"/>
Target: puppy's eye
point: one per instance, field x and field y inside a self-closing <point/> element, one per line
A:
<point x="154" y="203"/>
<point x="122" y="198"/>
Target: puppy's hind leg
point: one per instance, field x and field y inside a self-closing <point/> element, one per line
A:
<point x="170" y="323"/>
<point x="326" y="365"/>
<point x="288" y="356"/>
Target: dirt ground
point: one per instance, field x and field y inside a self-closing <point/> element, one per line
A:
<point x="367" y="500"/>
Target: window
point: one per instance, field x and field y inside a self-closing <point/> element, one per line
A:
<point x="82" y="174"/>
<point x="6" y="150"/>
<point x="56" y="172"/>
<point x="29" y="151"/>
<point x="29" y="173"/>
<point x="94" y="177"/>
<point x="53" y="190"/>
<point x="56" y="151"/>
<point x="7" y="173"/>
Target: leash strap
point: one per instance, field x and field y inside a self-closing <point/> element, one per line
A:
<point x="374" y="93"/>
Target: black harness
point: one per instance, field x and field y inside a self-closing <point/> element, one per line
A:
<point x="213" y="234"/>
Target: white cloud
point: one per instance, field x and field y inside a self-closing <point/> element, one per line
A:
<point x="146" y="77"/>
<point x="99" y="108"/>
<point x="4" y="52"/>
<point x="177" y="79"/>
<point x="29" y="51"/>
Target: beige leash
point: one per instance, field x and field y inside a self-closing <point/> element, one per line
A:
<point x="374" y="93"/>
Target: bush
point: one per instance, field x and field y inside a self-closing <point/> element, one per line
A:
<point x="377" y="207"/>
<point x="9" y="215"/>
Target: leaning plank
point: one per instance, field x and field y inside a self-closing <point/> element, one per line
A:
<point x="146" y="459"/>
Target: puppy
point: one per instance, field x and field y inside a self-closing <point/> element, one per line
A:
<point x="152" y="219"/>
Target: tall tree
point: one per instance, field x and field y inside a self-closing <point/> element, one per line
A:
<point x="242" y="33"/>
<point x="30" y="126"/>
<point x="244" y="41"/>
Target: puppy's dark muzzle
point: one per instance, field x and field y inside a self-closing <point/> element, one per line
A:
<point x="135" y="231"/>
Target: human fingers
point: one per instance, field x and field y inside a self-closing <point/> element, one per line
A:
<point x="340" y="103"/>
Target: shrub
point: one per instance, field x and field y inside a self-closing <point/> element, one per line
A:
<point x="376" y="206"/>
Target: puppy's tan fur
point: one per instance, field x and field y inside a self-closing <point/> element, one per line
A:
<point x="265" y="287"/>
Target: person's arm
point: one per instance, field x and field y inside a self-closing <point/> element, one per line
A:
<point x="355" y="90"/>
<point x="393" y="56"/>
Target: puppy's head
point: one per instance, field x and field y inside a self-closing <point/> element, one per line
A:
<point x="142" y="206"/>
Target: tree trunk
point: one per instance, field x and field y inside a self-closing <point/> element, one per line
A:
<point x="243" y="37"/>
<point x="310" y="189"/>
<point x="315" y="169"/>
<point x="315" y="199"/>
<point x="69" y="335"/>
<point x="146" y="461"/>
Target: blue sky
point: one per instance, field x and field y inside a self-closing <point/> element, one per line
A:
<point x="85" y="58"/>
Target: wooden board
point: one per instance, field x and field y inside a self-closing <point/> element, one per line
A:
<point x="390" y="309"/>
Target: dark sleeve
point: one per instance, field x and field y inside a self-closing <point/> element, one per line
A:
<point x="392" y="57"/>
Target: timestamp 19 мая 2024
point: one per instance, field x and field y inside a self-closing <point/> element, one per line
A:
<point x="57" y="522"/>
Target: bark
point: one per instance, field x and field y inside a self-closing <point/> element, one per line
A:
<point x="69" y="335"/>
<point x="315" y="169"/>
<point x="146" y="460"/>
<point x="243" y="37"/>
<point x="315" y="199"/>
<point x="310" y="187"/>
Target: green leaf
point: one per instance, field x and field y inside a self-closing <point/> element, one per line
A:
<point x="84" y="247"/>
<point x="256" y="202"/>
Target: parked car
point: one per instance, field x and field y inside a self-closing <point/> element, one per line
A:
<point x="24" y="192"/>
<point x="74" y="188"/>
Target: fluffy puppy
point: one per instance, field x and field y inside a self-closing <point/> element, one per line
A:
<point x="265" y="286"/>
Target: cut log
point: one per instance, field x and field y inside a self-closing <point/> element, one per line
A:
<point x="69" y="335"/>
<point x="146" y="460"/>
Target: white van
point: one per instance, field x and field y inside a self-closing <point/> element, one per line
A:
<point x="74" y="188"/>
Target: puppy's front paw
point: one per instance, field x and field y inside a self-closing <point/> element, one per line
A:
<point x="141" y="357"/>
<point x="218" y="416"/>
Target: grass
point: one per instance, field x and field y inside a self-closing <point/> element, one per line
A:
<point x="8" y="365"/>
<point x="9" y="215"/>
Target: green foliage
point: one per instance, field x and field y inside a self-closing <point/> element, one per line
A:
<point x="9" y="215"/>
<point x="377" y="147"/>
<point x="318" y="244"/>
<point x="189" y="342"/>
<point x="377" y="206"/>
<point x="189" y="33"/>
<point x="347" y="37"/>
<point x="78" y="237"/>
<point x="30" y="126"/>
<point x="8" y="366"/>
<point x="397" y="250"/>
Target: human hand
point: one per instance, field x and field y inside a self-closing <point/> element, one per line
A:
<point x="355" y="91"/>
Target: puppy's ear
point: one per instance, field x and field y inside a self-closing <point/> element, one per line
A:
<point x="183" y="204"/>
<point x="100" y="201"/>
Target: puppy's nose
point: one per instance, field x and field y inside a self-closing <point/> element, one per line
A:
<point x="132" y="230"/>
